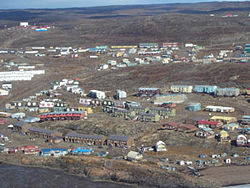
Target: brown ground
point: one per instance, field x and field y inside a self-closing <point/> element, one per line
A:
<point x="228" y="175"/>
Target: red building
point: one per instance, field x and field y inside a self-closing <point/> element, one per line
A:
<point x="54" y="116"/>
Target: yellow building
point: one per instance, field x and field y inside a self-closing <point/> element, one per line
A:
<point x="43" y="110"/>
<point x="119" y="54"/>
<point x="181" y="89"/>
<point x="224" y="119"/>
<point x="88" y="109"/>
<point x="224" y="136"/>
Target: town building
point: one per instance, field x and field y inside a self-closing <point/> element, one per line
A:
<point x="85" y="138"/>
<point x="121" y="94"/>
<point x="181" y="89"/>
<point x="97" y="94"/>
<point x="224" y="136"/>
<point x="227" y="92"/>
<point x="68" y="115"/>
<point x="224" y="119"/>
<point x="4" y="92"/>
<point x="160" y="146"/>
<point x="120" y="141"/>
<point x="42" y="133"/>
<point x="242" y="140"/>
<point x="194" y="107"/>
<point x="148" y="117"/>
<point x="230" y="126"/>
<point x="148" y="45"/>
<point x="219" y="109"/>
<point x="148" y="92"/>
<point x="21" y="126"/>
<point x="134" y="156"/>
<point x="163" y="112"/>
<point x="211" y="124"/>
<point x="54" y="152"/>
<point x="245" y="120"/>
<point x="188" y="128"/>
<point x="205" y="89"/>
<point x="205" y="133"/>
<point x="169" y="98"/>
<point x="82" y="151"/>
<point x="171" y="126"/>
<point x="123" y="113"/>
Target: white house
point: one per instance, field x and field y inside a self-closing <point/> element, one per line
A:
<point x="4" y="92"/>
<point x="24" y="24"/>
<point x="189" y="45"/>
<point x="18" y="115"/>
<point x="132" y="156"/>
<point x="97" y="94"/>
<point x="112" y="62"/>
<point x="85" y="102"/>
<point x="7" y="85"/>
<point x="160" y="146"/>
<point x="121" y="94"/>
<point x="45" y="104"/>
<point x="219" y="109"/>
<point x="228" y="161"/>
<point x="182" y="163"/>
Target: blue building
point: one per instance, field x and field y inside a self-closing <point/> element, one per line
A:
<point x="99" y="49"/>
<point x="55" y="152"/>
<point x="102" y="47"/>
<point x="204" y="88"/>
<point x="194" y="107"/>
<point x="82" y="151"/>
<point x="148" y="45"/>
<point x="93" y="50"/>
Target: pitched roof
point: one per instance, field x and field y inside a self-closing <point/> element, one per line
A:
<point x="19" y="124"/>
<point x="208" y="122"/>
<point x="40" y="130"/>
<point x="85" y="136"/>
<point x="118" y="138"/>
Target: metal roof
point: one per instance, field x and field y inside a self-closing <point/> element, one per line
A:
<point x="118" y="138"/>
<point x="85" y="136"/>
<point x="19" y="124"/>
<point x="47" y="150"/>
<point x="40" y="130"/>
